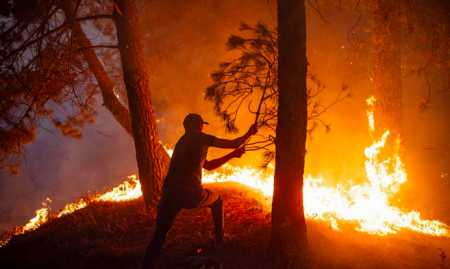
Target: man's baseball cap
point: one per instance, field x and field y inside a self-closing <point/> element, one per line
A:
<point x="193" y="120"/>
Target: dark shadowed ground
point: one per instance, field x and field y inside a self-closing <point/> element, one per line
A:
<point x="113" y="235"/>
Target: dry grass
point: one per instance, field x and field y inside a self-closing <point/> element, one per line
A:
<point x="113" y="235"/>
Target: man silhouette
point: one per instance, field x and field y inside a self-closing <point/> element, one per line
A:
<point x="182" y="187"/>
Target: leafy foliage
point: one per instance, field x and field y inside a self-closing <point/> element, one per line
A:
<point x="254" y="76"/>
<point x="42" y="76"/>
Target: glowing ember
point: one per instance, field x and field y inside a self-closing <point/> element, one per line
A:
<point x="365" y="204"/>
<point x="169" y="151"/>
<point x="116" y="94"/>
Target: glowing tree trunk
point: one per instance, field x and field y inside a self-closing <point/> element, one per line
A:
<point x="387" y="69"/>
<point x="149" y="153"/>
<point x="289" y="244"/>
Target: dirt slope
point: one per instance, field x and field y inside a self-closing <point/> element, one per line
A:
<point x="114" y="235"/>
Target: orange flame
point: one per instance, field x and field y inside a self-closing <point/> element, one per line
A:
<point x="41" y="217"/>
<point x="371" y="102"/>
<point x="367" y="204"/>
<point x="128" y="190"/>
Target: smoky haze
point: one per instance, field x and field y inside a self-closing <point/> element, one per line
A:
<point x="184" y="43"/>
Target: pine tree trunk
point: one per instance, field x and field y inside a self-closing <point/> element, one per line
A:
<point x="289" y="244"/>
<point x="387" y="70"/>
<point x="110" y="101"/>
<point x="149" y="152"/>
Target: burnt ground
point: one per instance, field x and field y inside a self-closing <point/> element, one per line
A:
<point x="114" y="235"/>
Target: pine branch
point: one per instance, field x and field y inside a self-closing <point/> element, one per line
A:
<point x="50" y="32"/>
<point x="100" y="46"/>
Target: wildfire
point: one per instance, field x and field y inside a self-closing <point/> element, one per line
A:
<point x="370" y="102"/>
<point x="41" y="217"/>
<point x="367" y="205"/>
<point x="128" y="190"/>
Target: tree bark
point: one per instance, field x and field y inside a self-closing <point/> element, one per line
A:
<point x="149" y="153"/>
<point x="110" y="101"/>
<point x="289" y="244"/>
<point x="387" y="70"/>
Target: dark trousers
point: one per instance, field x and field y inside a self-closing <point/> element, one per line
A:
<point x="169" y="207"/>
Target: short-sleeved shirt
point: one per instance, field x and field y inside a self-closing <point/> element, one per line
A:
<point x="189" y="155"/>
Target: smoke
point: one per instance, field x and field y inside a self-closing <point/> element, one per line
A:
<point x="66" y="169"/>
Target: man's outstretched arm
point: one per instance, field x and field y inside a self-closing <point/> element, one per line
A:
<point x="235" y="143"/>
<point x="216" y="163"/>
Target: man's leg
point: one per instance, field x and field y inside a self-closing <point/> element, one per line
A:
<point x="165" y="217"/>
<point x="217" y="216"/>
<point x="214" y="202"/>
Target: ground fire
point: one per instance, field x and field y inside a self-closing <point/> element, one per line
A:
<point x="366" y="205"/>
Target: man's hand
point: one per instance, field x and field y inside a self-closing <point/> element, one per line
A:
<point x="238" y="152"/>
<point x="253" y="129"/>
<point x="238" y="142"/>
<point x="213" y="164"/>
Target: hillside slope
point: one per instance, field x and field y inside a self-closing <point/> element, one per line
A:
<point x="114" y="235"/>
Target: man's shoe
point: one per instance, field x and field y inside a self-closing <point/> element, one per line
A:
<point x="223" y="241"/>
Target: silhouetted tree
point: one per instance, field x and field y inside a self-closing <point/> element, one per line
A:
<point x="253" y="77"/>
<point x="289" y="242"/>
<point x="426" y="45"/>
<point x="149" y="152"/>
<point x="387" y="79"/>
<point x="407" y="35"/>
<point x="276" y="79"/>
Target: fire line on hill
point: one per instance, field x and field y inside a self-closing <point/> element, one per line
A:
<point x="367" y="205"/>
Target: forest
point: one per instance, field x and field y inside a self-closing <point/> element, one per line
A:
<point x="344" y="165"/>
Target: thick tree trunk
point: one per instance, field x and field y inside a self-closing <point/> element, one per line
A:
<point x="110" y="101"/>
<point x="289" y="244"/>
<point x="149" y="153"/>
<point x="387" y="70"/>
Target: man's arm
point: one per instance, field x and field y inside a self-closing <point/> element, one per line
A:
<point x="235" y="143"/>
<point x="216" y="163"/>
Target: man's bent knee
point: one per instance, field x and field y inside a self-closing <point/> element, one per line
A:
<point x="218" y="202"/>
